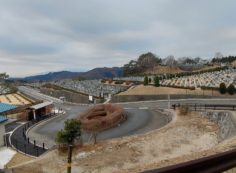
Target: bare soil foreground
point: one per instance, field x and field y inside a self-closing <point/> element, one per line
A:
<point x="185" y="138"/>
<point x="151" y="90"/>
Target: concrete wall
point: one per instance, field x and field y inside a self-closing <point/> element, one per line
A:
<point x="226" y="120"/>
<point x="2" y="132"/>
<point x="131" y="98"/>
<point x="69" y="96"/>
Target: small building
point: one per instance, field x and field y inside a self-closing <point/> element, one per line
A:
<point x="39" y="110"/>
<point x="4" y="110"/>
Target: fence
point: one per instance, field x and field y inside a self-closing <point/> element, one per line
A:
<point x="134" y="98"/>
<point x="206" y="106"/>
<point x="212" y="164"/>
<point x="24" y="144"/>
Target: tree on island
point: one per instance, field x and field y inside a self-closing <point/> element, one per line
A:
<point x="231" y="89"/>
<point x="222" y="88"/>
<point x="68" y="136"/>
<point x="145" y="82"/>
<point x="156" y="81"/>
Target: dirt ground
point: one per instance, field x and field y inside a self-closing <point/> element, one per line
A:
<point x="151" y="90"/>
<point x="173" y="70"/>
<point x="185" y="138"/>
<point x="234" y="63"/>
<point x="18" y="159"/>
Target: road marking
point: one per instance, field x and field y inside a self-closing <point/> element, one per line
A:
<point x="128" y="108"/>
<point x="143" y="107"/>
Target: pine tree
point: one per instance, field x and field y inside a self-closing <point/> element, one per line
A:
<point x="145" y="82"/>
<point x="156" y="81"/>
<point x="222" y="88"/>
<point x="231" y="89"/>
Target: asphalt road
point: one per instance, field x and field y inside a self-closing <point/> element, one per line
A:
<point x="138" y="121"/>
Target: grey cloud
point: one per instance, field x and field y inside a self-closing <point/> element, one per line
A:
<point x="52" y="35"/>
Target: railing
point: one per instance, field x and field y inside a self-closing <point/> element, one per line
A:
<point x="206" y="106"/>
<point x="24" y="144"/>
<point x="212" y="164"/>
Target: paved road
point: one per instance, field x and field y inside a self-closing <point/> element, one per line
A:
<point x="138" y="121"/>
<point x="37" y="95"/>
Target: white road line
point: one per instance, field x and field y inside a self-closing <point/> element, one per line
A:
<point x="143" y="107"/>
<point x="128" y="108"/>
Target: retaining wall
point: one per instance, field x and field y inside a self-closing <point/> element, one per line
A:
<point x="69" y="96"/>
<point x="2" y="132"/>
<point x="132" y="98"/>
<point x="226" y="120"/>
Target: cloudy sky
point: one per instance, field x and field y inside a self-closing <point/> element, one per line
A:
<point x="50" y="35"/>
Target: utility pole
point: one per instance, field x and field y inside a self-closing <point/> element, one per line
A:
<point x="168" y="101"/>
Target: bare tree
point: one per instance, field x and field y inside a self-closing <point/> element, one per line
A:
<point x="170" y="61"/>
<point x="218" y="55"/>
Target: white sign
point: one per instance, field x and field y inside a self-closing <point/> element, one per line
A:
<point x="90" y="98"/>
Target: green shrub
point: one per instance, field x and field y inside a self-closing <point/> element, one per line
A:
<point x="231" y="89"/>
<point x="149" y="80"/>
<point x="222" y="88"/>
<point x="156" y="81"/>
<point x="145" y="82"/>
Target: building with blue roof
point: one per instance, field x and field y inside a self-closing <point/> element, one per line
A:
<point x="4" y="110"/>
<point x="6" y="107"/>
<point x="3" y="118"/>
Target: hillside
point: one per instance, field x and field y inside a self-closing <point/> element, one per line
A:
<point x="163" y="69"/>
<point x="234" y="63"/>
<point x="142" y="64"/>
<point x="52" y="76"/>
<point x="97" y="73"/>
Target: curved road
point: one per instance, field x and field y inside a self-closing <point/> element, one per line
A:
<point x="138" y="121"/>
<point x="141" y="119"/>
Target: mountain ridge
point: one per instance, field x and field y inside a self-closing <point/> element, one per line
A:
<point x="96" y="73"/>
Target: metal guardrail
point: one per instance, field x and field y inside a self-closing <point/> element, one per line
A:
<point x="212" y="164"/>
<point x="206" y="106"/>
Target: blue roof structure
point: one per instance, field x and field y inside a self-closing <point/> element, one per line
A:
<point x="3" y="118"/>
<point x="6" y="107"/>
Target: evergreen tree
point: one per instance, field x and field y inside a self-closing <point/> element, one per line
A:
<point x="145" y="82"/>
<point x="68" y="135"/>
<point x="149" y="80"/>
<point x="231" y="89"/>
<point x="156" y="81"/>
<point x="222" y="88"/>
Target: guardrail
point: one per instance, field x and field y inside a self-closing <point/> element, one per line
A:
<point x="206" y="106"/>
<point x="212" y="164"/>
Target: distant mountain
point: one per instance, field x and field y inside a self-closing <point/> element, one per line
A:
<point x="97" y="73"/>
<point x="52" y="76"/>
<point x="100" y="73"/>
